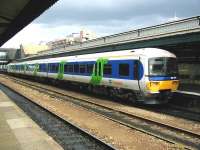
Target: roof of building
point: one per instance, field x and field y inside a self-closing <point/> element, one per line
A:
<point x="16" y="14"/>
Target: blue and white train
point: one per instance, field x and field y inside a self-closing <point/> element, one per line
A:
<point x="147" y="75"/>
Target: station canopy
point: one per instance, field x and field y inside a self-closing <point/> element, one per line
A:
<point x="16" y="14"/>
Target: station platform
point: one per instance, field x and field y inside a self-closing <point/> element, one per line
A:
<point x="189" y="93"/>
<point x="19" y="132"/>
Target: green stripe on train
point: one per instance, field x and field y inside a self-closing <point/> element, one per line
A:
<point x="61" y="70"/>
<point x="97" y="73"/>
<point x="36" y="68"/>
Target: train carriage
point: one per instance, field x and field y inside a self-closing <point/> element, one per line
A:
<point x="147" y="75"/>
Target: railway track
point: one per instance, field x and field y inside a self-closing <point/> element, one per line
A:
<point x="67" y="134"/>
<point x="163" y="131"/>
<point x="175" y="111"/>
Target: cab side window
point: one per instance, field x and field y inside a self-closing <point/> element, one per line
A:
<point x="124" y="69"/>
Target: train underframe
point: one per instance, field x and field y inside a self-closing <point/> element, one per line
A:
<point x="114" y="93"/>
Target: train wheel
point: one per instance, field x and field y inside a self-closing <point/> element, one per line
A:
<point x="132" y="98"/>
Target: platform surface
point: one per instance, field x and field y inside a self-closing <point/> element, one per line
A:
<point x="19" y="132"/>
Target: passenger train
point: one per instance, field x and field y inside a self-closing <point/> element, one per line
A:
<point x="147" y="75"/>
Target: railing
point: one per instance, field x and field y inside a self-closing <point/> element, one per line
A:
<point x="167" y="29"/>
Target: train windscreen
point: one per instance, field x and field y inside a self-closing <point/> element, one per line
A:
<point x="163" y="66"/>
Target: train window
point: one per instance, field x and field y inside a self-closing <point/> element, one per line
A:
<point x="107" y="70"/>
<point x="28" y="67"/>
<point x="89" y="68"/>
<point x="66" y="67"/>
<point x="18" y="67"/>
<point x="100" y="69"/>
<point x="22" y="67"/>
<point x="42" y="68"/>
<point x="54" y="67"/>
<point x="95" y="66"/>
<point x="47" y="67"/>
<point x="50" y="67"/>
<point x="82" y="68"/>
<point x="76" y="68"/>
<point x="31" y="67"/>
<point x="124" y="69"/>
<point x="69" y="68"/>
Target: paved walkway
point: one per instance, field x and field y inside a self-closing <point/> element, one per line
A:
<point x="19" y="132"/>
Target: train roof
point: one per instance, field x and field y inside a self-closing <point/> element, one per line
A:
<point x="123" y="54"/>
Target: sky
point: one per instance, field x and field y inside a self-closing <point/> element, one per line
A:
<point x="104" y="17"/>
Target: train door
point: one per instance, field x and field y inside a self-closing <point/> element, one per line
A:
<point x="61" y="70"/>
<point x="47" y="69"/>
<point x="97" y="74"/>
<point x="139" y="73"/>
<point x="136" y="73"/>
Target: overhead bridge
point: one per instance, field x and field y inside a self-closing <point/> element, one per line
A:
<point x="181" y="37"/>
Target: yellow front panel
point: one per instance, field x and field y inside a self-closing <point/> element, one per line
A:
<point x="155" y="86"/>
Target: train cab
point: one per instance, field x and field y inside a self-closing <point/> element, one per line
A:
<point x="162" y="78"/>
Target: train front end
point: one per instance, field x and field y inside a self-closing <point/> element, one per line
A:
<point x="161" y="80"/>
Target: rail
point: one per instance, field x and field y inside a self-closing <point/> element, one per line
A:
<point x="127" y="119"/>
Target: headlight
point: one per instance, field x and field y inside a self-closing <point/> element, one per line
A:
<point x="154" y="83"/>
<point x="175" y="82"/>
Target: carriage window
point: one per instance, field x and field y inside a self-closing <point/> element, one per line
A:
<point x="89" y="68"/>
<point x="22" y="67"/>
<point x="54" y="67"/>
<point x="42" y="68"/>
<point x="82" y="68"/>
<point x="76" y="68"/>
<point x="100" y="69"/>
<point x="124" y="69"/>
<point x="107" y="70"/>
<point x="68" y="68"/>
<point x="95" y="66"/>
<point x="30" y="67"/>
